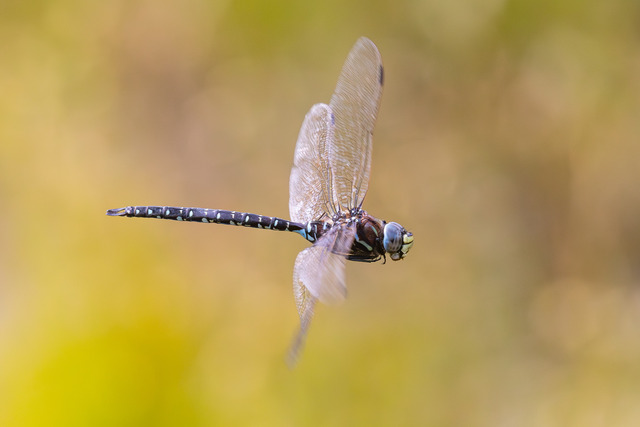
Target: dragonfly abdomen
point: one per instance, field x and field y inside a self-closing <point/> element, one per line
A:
<point x="215" y="216"/>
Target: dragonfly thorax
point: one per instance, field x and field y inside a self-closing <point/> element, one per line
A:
<point x="372" y="237"/>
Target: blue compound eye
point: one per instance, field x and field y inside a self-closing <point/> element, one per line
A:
<point x="396" y="241"/>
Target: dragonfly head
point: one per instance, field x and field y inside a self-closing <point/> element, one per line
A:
<point x="396" y="241"/>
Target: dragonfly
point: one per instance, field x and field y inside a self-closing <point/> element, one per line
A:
<point x="327" y="187"/>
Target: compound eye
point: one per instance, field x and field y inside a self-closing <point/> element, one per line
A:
<point x="392" y="241"/>
<point x="397" y="241"/>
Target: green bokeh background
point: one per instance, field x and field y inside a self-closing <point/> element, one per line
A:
<point x="507" y="141"/>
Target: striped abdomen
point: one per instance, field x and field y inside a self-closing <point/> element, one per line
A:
<point x="216" y="216"/>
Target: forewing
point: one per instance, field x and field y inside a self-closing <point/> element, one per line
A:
<point x="309" y="194"/>
<point x="355" y="105"/>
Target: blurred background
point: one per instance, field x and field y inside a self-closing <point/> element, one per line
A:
<point x="507" y="142"/>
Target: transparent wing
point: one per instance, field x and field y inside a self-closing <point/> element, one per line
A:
<point x="309" y="192"/>
<point x="319" y="274"/>
<point x="355" y="105"/>
<point x="320" y="268"/>
<point x="305" y="303"/>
